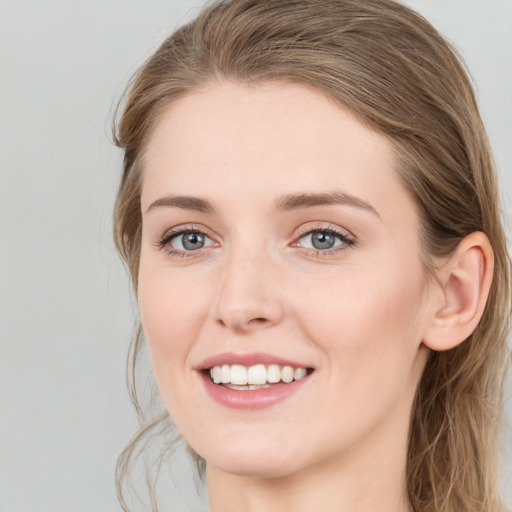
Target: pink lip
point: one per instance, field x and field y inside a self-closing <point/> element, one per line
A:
<point x="248" y="360"/>
<point x="255" y="399"/>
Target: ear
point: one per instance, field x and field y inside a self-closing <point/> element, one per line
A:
<point x="464" y="280"/>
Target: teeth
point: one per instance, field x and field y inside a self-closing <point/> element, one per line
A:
<point x="287" y="374"/>
<point x="274" y="373"/>
<point x="226" y="374"/>
<point x="248" y="387"/>
<point x="216" y="374"/>
<point x="257" y="374"/>
<point x="299" y="373"/>
<point x="237" y="376"/>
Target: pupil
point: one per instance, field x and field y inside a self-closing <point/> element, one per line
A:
<point x="322" y="240"/>
<point x="193" y="241"/>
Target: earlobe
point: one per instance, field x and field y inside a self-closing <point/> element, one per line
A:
<point x="465" y="280"/>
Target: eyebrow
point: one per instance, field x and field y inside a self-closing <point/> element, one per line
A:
<point x="185" y="202"/>
<point x="308" y="200"/>
<point x="284" y="203"/>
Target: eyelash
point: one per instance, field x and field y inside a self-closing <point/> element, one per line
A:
<point x="346" y="240"/>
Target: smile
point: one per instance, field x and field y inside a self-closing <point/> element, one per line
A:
<point x="259" y="376"/>
<point x="252" y="381"/>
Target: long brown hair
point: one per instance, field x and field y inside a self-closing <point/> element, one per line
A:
<point x="391" y="68"/>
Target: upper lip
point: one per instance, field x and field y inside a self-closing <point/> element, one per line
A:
<point x="248" y="359"/>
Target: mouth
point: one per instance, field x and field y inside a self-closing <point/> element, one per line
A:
<point x="238" y="377"/>
<point x="254" y="380"/>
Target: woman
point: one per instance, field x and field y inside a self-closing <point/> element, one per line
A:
<point x="310" y="216"/>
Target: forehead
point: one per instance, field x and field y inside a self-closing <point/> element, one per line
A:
<point x="269" y="138"/>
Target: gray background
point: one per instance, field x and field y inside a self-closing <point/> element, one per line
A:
<point x="65" y="301"/>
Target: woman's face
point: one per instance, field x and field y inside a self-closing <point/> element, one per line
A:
<point x="276" y="233"/>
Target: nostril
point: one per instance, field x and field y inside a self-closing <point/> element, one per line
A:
<point x="258" y="321"/>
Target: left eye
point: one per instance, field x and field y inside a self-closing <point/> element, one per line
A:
<point x="323" y="239"/>
<point x="190" y="241"/>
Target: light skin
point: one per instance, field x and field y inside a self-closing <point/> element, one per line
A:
<point x="255" y="171"/>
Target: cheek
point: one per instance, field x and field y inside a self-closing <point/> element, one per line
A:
<point x="369" y="323"/>
<point x="171" y="313"/>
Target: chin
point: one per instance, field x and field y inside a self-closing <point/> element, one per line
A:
<point x="248" y="459"/>
<point x="256" y="468"/>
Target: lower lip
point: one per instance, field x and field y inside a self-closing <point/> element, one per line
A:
<point x="252" y="399"/>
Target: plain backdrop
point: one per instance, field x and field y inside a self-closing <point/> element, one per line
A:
<point x="65" y="302"/>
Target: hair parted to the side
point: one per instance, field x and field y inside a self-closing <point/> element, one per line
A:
<point x="391" y="68"/>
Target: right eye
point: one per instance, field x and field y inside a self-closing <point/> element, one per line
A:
<point x="185" y="241"/>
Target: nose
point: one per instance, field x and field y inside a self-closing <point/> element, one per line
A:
<point x="249" y="296"/>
